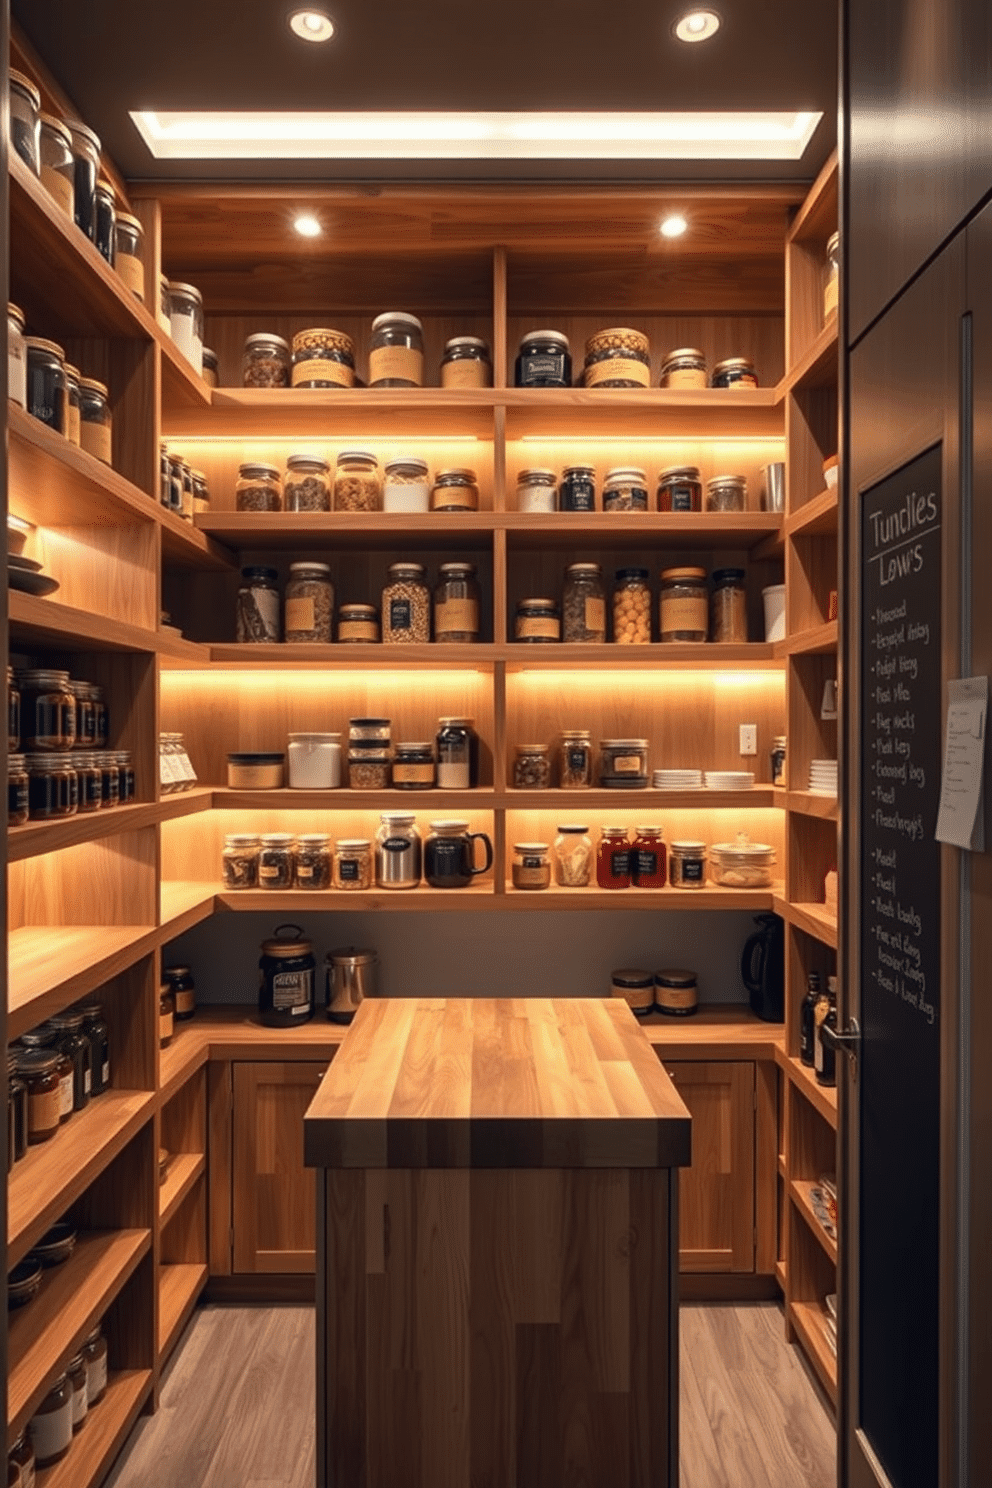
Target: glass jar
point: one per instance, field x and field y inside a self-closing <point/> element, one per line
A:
<point x="406" y="606"/>
<point x="531" y="866"/>
<point x="396" y="351"/>
<point x="449" y="855"/>
<point x="39" y="1069"/>
<point x="680" y="489"/>
<point x="584" y="604"/>
<point x="258" y="488"/>
<point x="537" y="491"/>
<point x="353" y="864"/>
<point x="17" y="368"/>
<point x="201" y="492"/>
<point x="257" y="612"/>
<point x="86" y="163"/>
<point x="634" y="987"/>
<point x="364" y="729"/>
<point x="309" y="603"/>
<point x="17" y="791"/>
<point x="413" y="766"/>
<point x="162" y="312"/>
<point x="22" y="1453"/>
<point x="239" y="860"/>
<point x="728" y="607"/>
<point x="275" y="860"/>
<point x="95" y="1355"/>
<point x="532" y="767"/>
<point x="544" y="360"/>
<point x="95" y="420"/>
<point x="85" y="714"/>
<point x="313" y="861"/>
<point x="778" y="759"/>
<point x="398" y="852"/>
<point x="573" y="857"/>
<point x="466" y="363"/>
<point x="735" y="372"/>
<point x="129" y="240"/>
<point x="455" y="491"/>
<point x="51" y="1425"/>
<point x="577" y="492"/>
<point x="101" y="716"/>
<point x="186" y="322"/>
<point x="618" y="358"/>
<point x="631" y="607"/>
<point x="105" y="208"/>
<point x="357" y="482"/>
<point x="73" y="416"/>
<point x="111" y="776"/>
<point x="613" y="858"/>
<point x="648" y="858"/>
<point x="98" y="1033"/>
<point x="831" y="282"/>
<point x="53" y="786"/>
<point x="25" y="120"/>
<point x="48" y="712"/>
<point x="17" y="1112"/>
<point x="456" y="603"/>
<point x="358" y="623"/>
<point x="538" y="621"/>
<point x="75" y="1044"/>
<point x="684" y="368"/>
<point x="407" y="486"/>
<point x="726" y="493"/>
<point x="687" y="865"/>
<point x="265" y="361"/>
<point x="13" y="712"/>
<point x="164" y="477"/>
<point x="46" y="382"/>
<point x="286" y="968"/>
<point x="175" y="502"/>
<point x="368" y="766"/>
<point x="742" y="864"/>
<point x="180" y="979"/>
<point x="211" y="366"/>
<point x="457" y="754"/>
<point x="58" y="173"/>
<point x="623" y="764"/>
<point x="575" y="759"/>
<point x="89" y="780"/>
<point x="625" y="489"/>
<point x="307" y="487"/>
<point x="683" y="607"/>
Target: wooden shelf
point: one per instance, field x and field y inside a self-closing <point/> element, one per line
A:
<point x="67" y="486"/>
<point x="816" y="518"/>
<point x="625" y="530"/>
<point x="722" y="1030"/>
<point x="183" y="905"/>
<point x="597" y="799"/>
<point x="184" y="1169"/>
<point x="483" y="897"/>
<point x="321" y="413"/>
<point x="94" y="1449"/>
<point x="34" y="839"/>
<point x="490" y="798"/>
<point x="808" y="1320"/>
<point x="780" y="1274"/>
<point x="820" y="640"/>
<point x="46" y="622"/>
<point x="678" y="900"/>
<point x="659" y="656"/>
<point x="799" y="1191"/>
<point x="482" y="656"/>
<point x="817" y="368"/>
<point x="50" y="966"/>
<point x="73" y="1297"/>
<point x="643" y="413"/>
<point x="817" y="920"/>
<point x="179" y="1285"/>
<point x="184" y="1055"/>
<point x="812" y="803"/>
<point x="823" y="1098"/>
<point x="300" y="657"/>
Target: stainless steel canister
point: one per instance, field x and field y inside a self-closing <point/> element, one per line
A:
<point x="350" y="976"/>
<point x="398" y="852"/>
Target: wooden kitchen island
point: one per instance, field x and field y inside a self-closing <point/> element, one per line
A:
<point x="497" y="1199"/>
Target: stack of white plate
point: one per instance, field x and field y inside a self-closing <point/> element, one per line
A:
<point x="729" y="780"/>
<point x="678" y="780"/>
<point x="823" y="777"/>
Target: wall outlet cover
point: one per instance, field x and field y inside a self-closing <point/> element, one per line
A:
<point x="749" y="738"/>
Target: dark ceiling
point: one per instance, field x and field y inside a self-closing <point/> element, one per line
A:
<point x="111" y="56"/>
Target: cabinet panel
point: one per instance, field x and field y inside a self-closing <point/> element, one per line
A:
<point x="716" y="1194"/>
<point x="274" y="1205"/>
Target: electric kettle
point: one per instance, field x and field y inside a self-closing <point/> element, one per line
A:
<point x="763" y="968"/>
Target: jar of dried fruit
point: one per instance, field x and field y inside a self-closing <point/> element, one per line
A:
<point x="258" y="488"/>
<point x="265" y="361"/>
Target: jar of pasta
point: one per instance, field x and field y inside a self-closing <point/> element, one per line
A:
<point x="584" y="603"/>
<point x="632" y="607"/>
<point x="683" y="606"/>
<point x="573" y="857"/>
<point x="307" y="487"/>
<point x="406" y="606"/>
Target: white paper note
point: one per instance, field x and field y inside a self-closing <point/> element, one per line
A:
<point x="961" y="819"/>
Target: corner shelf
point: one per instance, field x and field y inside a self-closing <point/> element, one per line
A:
<point x="36" y="838"/>
<point x="799" y="1193"/>
<point x="185" y="1169"/>
<point x="823" y="1098"/>
<point x="817" y="920"/>
<point x="819" y="640"/>
<point x="808" y="1320"/>
<point x="816" y="518"/>
<point x="50" y="966"/>
<point x="179" y="1286"/>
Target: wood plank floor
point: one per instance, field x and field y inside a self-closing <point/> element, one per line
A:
<point x="237" y="1405"/>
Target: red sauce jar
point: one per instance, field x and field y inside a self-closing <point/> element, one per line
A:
<point x="613" y="859"/>
<point x="648" y="859"/>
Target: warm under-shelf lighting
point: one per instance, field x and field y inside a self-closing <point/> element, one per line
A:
<point x="674" y="226"/>
<point x="307" y="226"/>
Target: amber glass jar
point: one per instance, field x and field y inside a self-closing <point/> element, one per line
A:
<point x="728" y="606"/>
<point x="680" y="489"/>
<point x="613" y="859"/>
<point x="358" y="623"/>
<point x="538" y="621"/>
<point x="684" y="368"/>
<point x="648" y="858"/>
<point x="455" y="491"/>
<point x="166" y="1015"/>
<point x="396" y="351"/>
<point x="17" y="791"/>
<point x="466" y="363"/>
<point x="634" y="987"/>
<point x="38" y="1068"/>
<point x="456" y="603"/>
<point x="684" y="604"/>
<point x="180" y="979"/>
<point x="53" y="786"/>
<point x="98" y="1033"/>
<point x="735" y="372"/>
<point x="75" y="1044"/>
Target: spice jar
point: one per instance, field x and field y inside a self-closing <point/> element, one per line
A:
<point x="13" y="712"/>
<point x="275" y="860"/>
<point x="314" y="761"/>
<point x="186" y="322"/>
<point x="575" y="759"/>
<point x="728" y="606"/>
<point x="572" y="854"/>
<point x="239" y="862"/>
<point x="313" y="861"/>
<point x="457" y="754"/>
<point x="625" y="489"/>
<point x="537" y="621"/>
<point x="531" y="866"/>
<point x="39" y="1069"/>
<point x="613" y="859"/>
<point x="683" y="606"/>
<point x="98" y="1033"/>
<point x="85" y="714"/>
<point x="735" y="372"/>
<point x="398" y="852"/>
<point x="95" y="1355"/>
<point x="684" y="368"/>
<point x="101" y="717"/>
<point x="687" y="865"/>
<point x="46" y="1038"/>
<point x="779" y="755"/>
<point x="46" y="382"/>
<point x="357" y="484"/>
<point x="51" y="1425"/>
<point x="86" y="164"/>
<point x="257" y="614"/>
<point x="265" y="361"/>
<point x="307" y="487"/>
<point x="95" y="420"/>
<point x="76" y="1370"/>
<point x="631" y="607"/>
<point x="180" y="979"/>
<point x="53" y="787"/>
<point x="166" y="1015"/>
<point x="544" y="360"/>
<point x="286" y="978"/>
<point x="175" y="498"/>
<point x="455" y="490"/>
<point x="48" y="711"/>
<point x="680" y="489"/>
<point x="17" y="1112"/>
<point x="258" y="488"/>
<point x="186" y="500"/>
<point x="456" y="603"/>
<point x="623" y="764"/>
<point x="17" y="372"/>
<point x="618" y="358"/>
<point x="89" y="780"/>
<point x="309" y="603"/>
<point x="413" y="766"/>
<point x="22" y="1456"/>
<point x="201" y="492"/>
<point x="578" y="489"/>
<point x="368" y="766"/>
<point x="358" y="623"/>
<point x="466" y="363"/>
<point x="584" y="604"/>
<point x="58" y="173"/>
<point x="25" y="125"/>
<point x="532" y="767"/>
<point x="635" y="988"/>
<point x="726" y="493"/>
<point x="110" y="782"/>
<point x="128" y="261"/>
<point x="831" y="282"/>
<point x="537" y="491"/>
<point x="353" y="863"/>
<point x="406" y="487"/>
<point x="105" y="231"/>
<point x="406" y="606"/>
<point x="17" y="791"/>
<point x="648" y="859"/>
<point x="396" y="351"/>
<point x="73" y="419"/>
<point x="75" y="1044"/>
<point x="676" y="993"/>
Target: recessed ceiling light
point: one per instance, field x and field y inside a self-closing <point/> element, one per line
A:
<point x="312" y="25"/>
<point x="697" y="25"/>
<point x="307" y="226"/>
<point x="673" y="227"/>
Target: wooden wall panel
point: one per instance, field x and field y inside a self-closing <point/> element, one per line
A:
<point x="97" y="883"/>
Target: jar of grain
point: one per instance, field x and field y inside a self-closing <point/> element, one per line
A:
<point x="466" y="363"/>
<point x="406" y="606"/>
<point x="584" y="604"/>
<point x="625" y="490"/>
<point x="532" y="767"/>
<point x="537" y="491"/>
<point x="573" y="857"/>
<point x="323" y="358"/>
<point x="357" y="483"/>
<point x="687" y="865"/>
<point x="358" y="623"/>
<point x="96" y="422"/>
<point x="407" y="486"/>
<point x="368" y="765"/>
<point x="531" y="866"/>
<point x="575" y="759"/>
<point x="258" y="488"/>
<point x="309" y="611"/>
<point x="275" y="860"/>
<point x="307" y="487"/>
<point x="454" y="491"/>
<point x="632" y="607"/>
<point x="684" y="368"/>
<point x="726" y="493"/>
<point x="396" y="351"/>
<point x="456" y="603"/>
<point x="258" y="607"/>
<point x="265" y="361"/>
<point x="58" y="172"/>
<point x="683" y="606"/>
<point x="353" y="863"/>
<point x="728" y="607"/>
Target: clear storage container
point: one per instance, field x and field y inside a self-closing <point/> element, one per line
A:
<point x="323" y="358"/>
<point x="632" y="607"/>
<point x="407" y="486"/>
<point x="25" y="119"/>
<point x="186" y="322"/>
<point x="396" y="351"/>
<point x="625" y="490"/>
<point x="456" y="603"/>
<point x="258" y="488"/>
<point x="128" y="256"/>
<point x="307" y="486"/>
<point x="309" y="603"/>
<point x="742" y="864"/>
<point x="265" y="361"/>
<point x="584" y="604"/>
<point x="357" y="482"/>
<point x="58" y="172"/>
<point x="406" y="606"/>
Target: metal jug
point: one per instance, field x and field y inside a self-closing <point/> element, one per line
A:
<point x="350" y="976"/>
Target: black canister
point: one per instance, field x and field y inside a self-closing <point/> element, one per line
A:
<point x="544" y="360"/>
<point x="75" y="1043"/>
<point x="449" y="854"/>
<point x="286" y="978"/>
<point x="578" y="489"/>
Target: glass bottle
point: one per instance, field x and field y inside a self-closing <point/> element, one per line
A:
<point x="825" y="1016"/>
<point x="807" y="1013"/>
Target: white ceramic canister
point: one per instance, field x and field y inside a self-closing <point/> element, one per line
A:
<point x="774" y="601"/>
<point x="406" y="486"/>
<point x="314" y="761"/>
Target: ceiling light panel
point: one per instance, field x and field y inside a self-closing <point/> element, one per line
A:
<point x="698" y="25"/>
<point x="311" y="25"/>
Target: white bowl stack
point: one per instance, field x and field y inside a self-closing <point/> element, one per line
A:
<point x="823" y="777"/>
<point x="729" y="780"/>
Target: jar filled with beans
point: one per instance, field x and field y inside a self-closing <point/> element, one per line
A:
<point x="584" y="603"/>
<point x="532" y="767"/>
<point x="307" y="487"/>
<point x="258" y="488"/>
<point x="265" y="361"/>
<point x="309" y="612"/>
<point x="406" y="606"/>
<point x="632" y="607"/>
<point x="357" y="482"/>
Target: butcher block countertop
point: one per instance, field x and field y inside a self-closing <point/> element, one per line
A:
<point x="496" y="1083"/>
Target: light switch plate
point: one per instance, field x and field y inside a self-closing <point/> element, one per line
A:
<point x="749" y="738"/>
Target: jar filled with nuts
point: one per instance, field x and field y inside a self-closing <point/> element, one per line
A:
<point x="584" y="603"/>
<point x="257" y="614"/>
<point x="625" y="489"/>
<point x="632" y="607"/>
<point x="307" y="487"/>
<point x="406" y="606"/>
<point x="575" y="772"/>
<point x="532" y="767"/>
<point x="309" y="603"/>
<point x="353" y="863"/>
<point x="265" y="361"/>
<point x="323" y="358"/>
<point x="456" y="603"/>
<point x="258" y="488"/>
<point x="357" y="483"/>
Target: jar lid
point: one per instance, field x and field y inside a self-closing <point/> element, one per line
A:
<point x="539" y="604"/>
<point x="316" y="570"/>
<point x="412" y="746"/>
<point x="346" y="457"/>
<point x="350" y="956"/>
<point x="38" y="343"/>
<point x="584" y="568"/>
<point x="307" y="457"/>
<point x="728" y="576"/>
<point x="675" y="978"/>
<point x="258" y="572"/>
<point x="266" y="338"/>
<point x="241" y="839"/>
<point x="572" y="827"/>
<point x="48" y="764"/>
<point x="576" y="734"/>
<point x="733" y="364"/>
<point x="36" y="1061"/>
<point x="276" y="839"/>
<point x="14" y="312"/>
<point x="578" y="470"/>
<point x="264" y="758"/>
<point x="43" y="675"/>
<point x="314" y="839"/>
<point x="684" y="354"/>
<point x="532" y="748"/>
<point x="474" y="342"/>
<point x="557" y="338"/>
<point x="93" y="386"/>
<point x="619" y="338"/>
<point x="688" y="849"/>
<point x="388" y="317"/>
<point x="177" y="971"/>
<point x="623" y="744"/>
<point x="456" y="722"/>
<point x="632" y="976"/>
<point x="614" y="831"/>
<point x="467" y="569"/>
<point x="368" y="751"/>
<point x="406" y="462"/>
<point x="398" y="818"/>
<point x="176" y="286"/>
<point x="39" y="1038"/>
<point x="370" y="722"/>
<point x="25" y="85"/>
<point x="106" y="188"/>
<point x="358" y="611"/>
<point x="624" y="473"/>
<point x="726" y="480"/>
<point x="314" y="738"/>
<point x="530" y="847"/>
<point x="651" y="831"/>
<point x="57" y="127"/>
<point x="678" y="472"/>
<point x="446" y="827"/>
<point x="323" y="338"/>
<point x="404" y="570"/>
<point x="91" y="1010"/>
<point x="68" y="1020"/>
<point x="535" y="474"/>
<point x="633" y="573"/>
<point x="280" y="945"/>
<point x="744" y="850"/>
<point x="460" y="476"/>
<point x="15" y="762"/>
<point x="353" y="844"/>
<point x="76" y="126"/>
<point x="255" y="471"/>
<point x="124" y="219"/>
<point x="671" y="574"/>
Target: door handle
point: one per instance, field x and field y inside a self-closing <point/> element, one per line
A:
<point x="848" y="1042"/>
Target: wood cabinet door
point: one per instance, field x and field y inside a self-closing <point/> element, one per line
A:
<point x="275" y="1208"/>
<point x="716" y="1194"/>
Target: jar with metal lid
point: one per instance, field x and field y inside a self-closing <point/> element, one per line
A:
<point x="413" y="766"/>
<point x="735" y="372"/>
<point x="13" y="712"/>
<point x="17" y="1112"/>
<point x="105" y="232"/>
<point x="618" y="358"/>
<point x="406" y="606"/>
<point x="538" y="621"/>
<point x="532" y="767"/>
<point x="211" y="366"/>
<point x="573" y="857"/>
<point x="728" y="607"/>
<point x="307" y="487"/>
<point x="17" y="791"/>
<point x="456" y="603"/>
<point x="74" y="1042"/>
<point x="407" y="486"/>
<point x="584" y="604"/>
<point x="466" y="363"/>
<point x="265" y="361"/>
<point x="631" y="607"/>
<point x="457" y="754"/>
<point x="46" y="382"/>
<point x="201" y="491"/>
<point x="258" y="607"/>
<point x="258" y="488"/>
<point x="51" y="1425"/>
<point x="309" y="603"/>
<point x="275" y="860"/>
<point x="396" y="351"/>
<point x="313" y="861"/>
<point x="831" y="282"/>
<point x="634" y="987"/>
<point x="57" y="171"/>
<point x="180" y="979"/>
<point x="398" y="851"/>
<point x="455" y="491"/>
<point x="48" y="711"/>
<point x="166" y="1015"/>
<point x="726" y="493"/>
<point x="39" y="1069"/>
<point x="286" y="993"/>
<point x="358" y="623"/>
<point x="353" y="864"/>
<point x="111" y="783"/>
<point x="544" y="360"/>
<point x="369" y="765"/>
<point x="623" y="764"/>
<point x="687" y="865"/>
<point x="186" y="322"/>
<point x="778" y="759"/>
<point x="357" y="482"/>
<point x="129" y="240"/>
<point x="25" y="119"/>
<point x="17" y="369"/>
<point x="530" y="867"/>
<point x="613" y="858"/>
<point x="73" y="415"/>
<point x="239" y="860"/>
<point x="537" y="491"/>
<point x="76" y="1370"/>
<point x="101" y="715"/>
<point x="96" y="422"/>
<point x="625" y="489"/>
<point x="575" y="759"/>
<point x="86" y="161"/>
<point x="648" y="858"/>
<point x="53" y="786"/>
<point x="185" y="491"/>
<point x="577" y="492"/>
<point x="684" y="368"/>
<point x="89" y="780"/>
<point x="96" y="1030"/>
<point x="680" y="489"/>
<point x="676" y="993"/>
<point x="683" y="607"/>
<point x="95" y="1354"/>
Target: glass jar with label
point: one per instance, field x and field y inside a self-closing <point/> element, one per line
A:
<point x="413" y="766"/>
<point x="685" y="367"/>
<point x="105" y="230"/>
<point x="406" y="486"/>
<point x="307" y="487"/>
<point x="398" y="852"/>
<point x="58" y="173"/>
<point x="98" y="1033"/>
<point x="180" y="979"/>
<point x="577" y="492"/>
<point x="309" y="611"/>
<point x="74" y="1043"/>
<point x="76" y="1370"/>
<point x="680" y="489"/>
<point x="543" y="360"/>
<point x="265" y="361"/>
<point x="17" y="791"/>
<point x="406" y="606"/>
<point x="258" y="488"/>
<point x="684" y="604"/>
<point x="396" y="351"/>
<point x="728" y="607"/>
<point x="275" y="860"/>
<point x="313" y="861"/>
<point x="25" y="119"/>
<point x="455" y="490"/>
<point x="95" y="419"/>
<point x="537" y="491"/>
<point x="186" y="500"/>
<point x="573" y="857"/>
<point x="735" y="372"/>
<point x="635" y="988"/>
<point x="175" y="501"/>
<point x="186" y="322"/>
<point x="48" y="711"/>
<point x="89" y="780"/>
<point x="353" y="864"/>
<point x="101" y="715"/>
<point x="53" y="786"/>
<point x="86" y="161"/>
<point x="166" y="1015"/>
<point x="778" y="759"/>
<point x="357" y="482"/>
<point x="128" y="259"/>
<point x="125" y="769"/>
<point x="358" y="623"/>
<point x="257" y="614"/>
<point x="532" y="767"/>
<point x="676" y="993"/>
<point x="13" y="712"/>
<point x="831" y="282"/>
<point x="625" y="489"/>
<point x="456" y="603"/>
<point x="201" y="492"/>
<point x="530" y="867"/>
<point x="46" y="382"/>
<point x="584" y="604"/>
<point x="466" y="363"/>
<point x="286" y="975"/>
<point x="613" y="858"/>
<point x="95" y="1355"/>
<point x="538" y="621"/>
<point x="648" y="858"/>
<point x="211" y="365"/>
<point x="457" y="754"/>
<point x="51" y="1425"/>
<point x="687" y="865"/>
<point x="39" y="1069"/>
<point x="110" y="783"/>
<point x="73" y="416"/>
<point x="575" y="759"/>
<point x="618" y="358"/>
<point x="17" y="374"/>
<point x="623" y="764"/>
<point x="726" y="493"/>
<point x="369" y="765"/>
<point x="239" y="864"/>
<point x="631" y="607"/>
